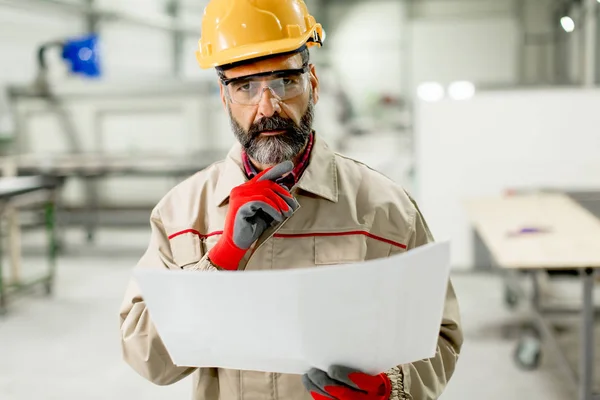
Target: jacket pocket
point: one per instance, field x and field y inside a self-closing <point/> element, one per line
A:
<point x="340" y="249"/>
<point x="186" y="249"/>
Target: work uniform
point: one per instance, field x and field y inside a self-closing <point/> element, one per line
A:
<point x="348" y="213"/>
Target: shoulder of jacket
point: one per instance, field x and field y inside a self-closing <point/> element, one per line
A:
<point x="192" y="188"/>
<point x="374" y="180"/>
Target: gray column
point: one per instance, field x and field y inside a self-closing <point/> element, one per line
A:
<point x="590" y="42"/>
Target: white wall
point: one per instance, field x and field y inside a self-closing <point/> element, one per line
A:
<point x="464" y="9"/>
<point x="498" y="141"/>
<point x="476" y="41"/>
<point x="384" y="47"/>
<point x="21" y="32"/>
<point x="132" y="51"/>
<point x="366" y="48"/>
<point x="482" y="50"/>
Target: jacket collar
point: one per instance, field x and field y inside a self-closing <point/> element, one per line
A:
<point x="319" y="178"/>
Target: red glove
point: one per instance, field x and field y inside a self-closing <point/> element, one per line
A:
<point x="253" y="207"/>
<point x="342" y="383"/>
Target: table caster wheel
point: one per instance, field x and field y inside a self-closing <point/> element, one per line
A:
<point x="528" y="353"/>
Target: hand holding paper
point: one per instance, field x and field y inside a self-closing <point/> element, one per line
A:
<point x="343" y="383"/>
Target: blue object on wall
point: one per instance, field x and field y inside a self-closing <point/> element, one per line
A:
<point x="83" y="55"/>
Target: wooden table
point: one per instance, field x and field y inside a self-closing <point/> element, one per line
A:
<point x="14" y="192"/>
<point x="537" y="233"/>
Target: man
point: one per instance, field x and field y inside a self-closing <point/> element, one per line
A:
<point x="281" y="199"/>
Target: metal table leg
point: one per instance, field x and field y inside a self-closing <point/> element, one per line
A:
<point x="93" y="206"/>
<point x="2" y="283"/>
<point x="529" y="346"/>
<point x="586" y="380"/>
<point x="14" y="244"/>
<point x="50" y="216"/>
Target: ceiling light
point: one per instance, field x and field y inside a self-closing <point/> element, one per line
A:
<point x="430" y="91"/>
<point x="568" y="24"/>
<point x="461" y="90"/>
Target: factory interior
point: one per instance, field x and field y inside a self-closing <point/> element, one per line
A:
<point x="104" y="109"/>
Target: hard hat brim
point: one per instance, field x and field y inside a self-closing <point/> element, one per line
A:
<point x="258" y="50"/>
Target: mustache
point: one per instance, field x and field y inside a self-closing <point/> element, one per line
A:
<point x="274" y="123"/>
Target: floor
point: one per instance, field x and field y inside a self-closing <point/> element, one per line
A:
<point x="67" y="346"/>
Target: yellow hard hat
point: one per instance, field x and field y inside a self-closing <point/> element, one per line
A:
<point x="239" y="30"/>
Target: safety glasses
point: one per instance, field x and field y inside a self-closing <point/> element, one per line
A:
<point x="285" y="85"/>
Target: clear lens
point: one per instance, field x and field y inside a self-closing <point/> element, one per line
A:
<point x="284" y="86"/>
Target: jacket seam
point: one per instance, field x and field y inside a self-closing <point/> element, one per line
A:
<point x="334" y="171"/>
<point x="403" y="395"/>
<point x="195" y="232"/>
<point x="201" y="177"/>
<point x="343" y="233"/>
<point x="274" y="394"/>
<point x="357" y="162"/>
<point x="241" y="386"/>
<point x="413" y="227"/>
<point x="313" y="234"/>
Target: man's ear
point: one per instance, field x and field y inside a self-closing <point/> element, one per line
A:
<point x="314" y="82"/>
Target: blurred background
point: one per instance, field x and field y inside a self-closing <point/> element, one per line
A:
<point x="454" y="99"/>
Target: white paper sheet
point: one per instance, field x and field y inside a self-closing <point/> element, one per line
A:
<point x="371" y="316"/>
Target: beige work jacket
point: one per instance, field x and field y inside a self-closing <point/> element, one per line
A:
<point x="347" y="213"/>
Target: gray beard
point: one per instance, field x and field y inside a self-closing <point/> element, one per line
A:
<point x="275" y="149"/>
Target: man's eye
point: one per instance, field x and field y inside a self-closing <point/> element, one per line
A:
<point x="244" y="87"/>
<point x="290" y="81"/>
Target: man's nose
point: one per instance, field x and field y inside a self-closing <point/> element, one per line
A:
<point x="269" y="104"/>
